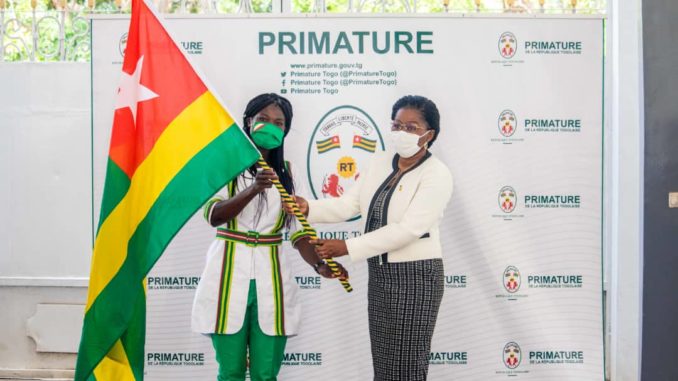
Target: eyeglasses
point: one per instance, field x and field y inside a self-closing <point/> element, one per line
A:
<point x="407" y="127"/>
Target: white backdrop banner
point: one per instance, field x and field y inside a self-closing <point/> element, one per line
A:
<point x="521" y="102"/>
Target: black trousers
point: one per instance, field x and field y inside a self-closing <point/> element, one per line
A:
<point x="403" y="303"/>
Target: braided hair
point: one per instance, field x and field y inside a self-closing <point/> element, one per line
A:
<point x="276" y="157"/>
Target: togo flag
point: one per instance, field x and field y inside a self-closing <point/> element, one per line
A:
<point x="173" y="145"/>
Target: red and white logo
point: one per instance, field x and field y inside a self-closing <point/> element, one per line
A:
<point x="508" y="45"/>
<point x="511" y="279"/>
<point x="507" y="199"/>
<point x="507" y="123"/>
<point x="512" y="355"/>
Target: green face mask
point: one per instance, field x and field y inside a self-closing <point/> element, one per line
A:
<point x="266" y="135"/>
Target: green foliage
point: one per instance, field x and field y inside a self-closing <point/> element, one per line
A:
<point x="19" y="18"/>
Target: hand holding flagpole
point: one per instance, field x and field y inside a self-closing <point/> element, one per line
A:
<point x="289" y="200"/>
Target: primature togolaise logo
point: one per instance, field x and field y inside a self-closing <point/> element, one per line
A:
<point x="302" y="358"/>
<point x="175" y="358"/>
<point x="556" y="357"/>
<point x="448" y="358"/>
<point x="173" y="282"/>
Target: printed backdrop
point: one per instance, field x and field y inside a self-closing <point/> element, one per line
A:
<point x="521" y="131"/>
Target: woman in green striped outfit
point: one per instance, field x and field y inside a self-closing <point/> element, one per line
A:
<point x="246" y="300"/>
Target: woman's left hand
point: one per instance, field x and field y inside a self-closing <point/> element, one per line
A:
<point x="329" y="248"/>
<point x="326" y="272"/>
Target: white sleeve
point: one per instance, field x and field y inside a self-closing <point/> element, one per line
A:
<point x="337" y="209"/>
<point x="221" y="195"/>
<point x="425" y="210"/>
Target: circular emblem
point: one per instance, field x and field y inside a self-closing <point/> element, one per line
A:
<point x="511" y="279"/>
<point x="346" y="167"/>
<point x="507" y="123"/>
<point x="341" y="145"/>
<point x="122" y="44"/>
<point x="508" y="44"/>
<point x="508" y="199"/>
<point x="512" y="355"/>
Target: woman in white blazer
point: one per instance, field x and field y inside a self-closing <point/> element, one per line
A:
<point x="401" y="199"/>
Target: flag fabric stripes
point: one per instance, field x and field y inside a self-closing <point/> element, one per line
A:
<point x="173" y="145"/>
<point x="364" y="143"/>
<point x="328" y="144"/>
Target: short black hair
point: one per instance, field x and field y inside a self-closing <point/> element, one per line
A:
<point x="425" y="106"/>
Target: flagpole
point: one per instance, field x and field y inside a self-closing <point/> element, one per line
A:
<point x="161" y="19"/>
<point x="286" y="198"/>
<point x="289" y="200"/>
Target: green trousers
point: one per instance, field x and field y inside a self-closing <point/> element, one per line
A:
<point x="265" y="352"/>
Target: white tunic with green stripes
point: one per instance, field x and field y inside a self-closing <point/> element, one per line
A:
<point x="221" y="297"/>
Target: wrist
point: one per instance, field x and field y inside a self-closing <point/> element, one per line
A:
<point x="254" y="189"/>
<point x="318" y="265"/>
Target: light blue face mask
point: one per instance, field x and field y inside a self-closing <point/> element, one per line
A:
<point x="266" y="135"/>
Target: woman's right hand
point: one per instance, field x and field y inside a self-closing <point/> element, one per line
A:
<point x="263" y="180"/>
<point x="301" y="202"/>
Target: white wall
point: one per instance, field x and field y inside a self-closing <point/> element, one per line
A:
<point x="626" y="191"/>
<point x="45" y="170"/>
<point x="45" y="200"/>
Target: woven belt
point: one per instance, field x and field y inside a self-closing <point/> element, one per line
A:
<point x="250" y="238"/>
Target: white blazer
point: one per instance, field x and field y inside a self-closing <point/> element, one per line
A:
<point x="413" y="213"/>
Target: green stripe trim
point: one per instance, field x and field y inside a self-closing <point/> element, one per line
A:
<point x="300" y="234"/>
<point x="232" y="185"/>
<point x="327" y="144"/>
<point x="372" y="149"/>
<point x="226" y="287"/>
<point x="110" y="314"/>
<point x="208" y="207"/>
<point x="276" y="288"/>
<point x="115" y="188"/>
<point x="322" y="150"/>
<point x="232" y="188"/>
<point x="279" y="224"/>
<point x="367" y="141"/>
<point x="282" y="296"/>
<point x="277" y="291"/>
<point x="361" y="144"/>
<point x="244" y="241"/>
